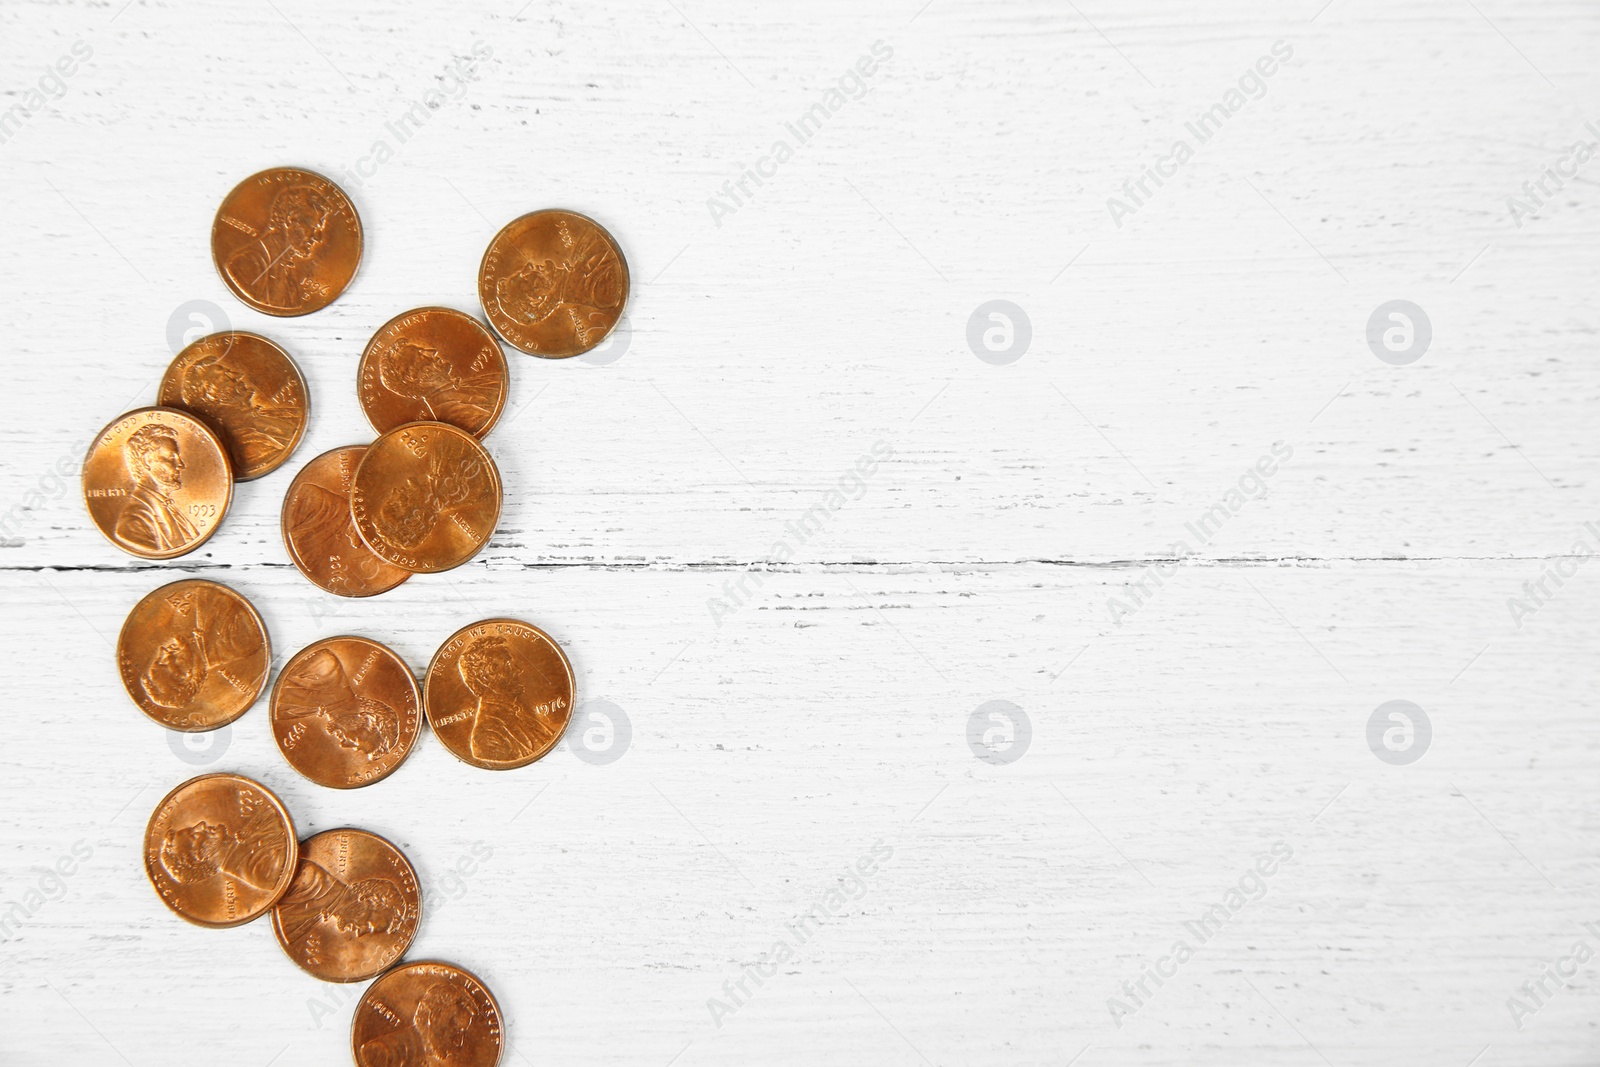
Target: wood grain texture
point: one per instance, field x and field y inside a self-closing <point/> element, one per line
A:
<point x="793" y="707"/>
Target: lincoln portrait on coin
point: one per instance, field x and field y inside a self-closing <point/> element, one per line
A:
<point x="435" y="1037"/>
<point x="254" y="854"/>
<point x="410" y="511"/>
<point x="213" y="644"/>
<point x="151" y="519"/>
<point x="588" y="285"/>
<point x="407" y="515"/>
<point x="260" y="428"/>
<point x="276" y="268"/>
<point x="320" y="687"/>
<point x="418" y="372"/>
<point x="175" y="676"/>
<point x="361" y="908"/>
<point x="505" y="728"/>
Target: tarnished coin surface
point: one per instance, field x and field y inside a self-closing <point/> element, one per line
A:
<point x="553" y="283"/>
<point x="352" y="908"/>
<point x="426" y="497"/>
<point x="427" y="1012"/>
<point x="249" y="391"/>
<point x="499" y="693"/>
<point x="320" y="533"/>
<point x="193" y="655"/>
<point x="157" y="482"/>
<point x="433" y="364"/>
<point x="220" y="850"/>
<point x="286" y="241"/>
<point x="346" y="712"/>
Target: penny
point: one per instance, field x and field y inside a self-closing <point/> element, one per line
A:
<point x="248" y="390"/>
<point x="427" y="1012"/>
<point x="425" y="497"/>
<point x="220" y="850"/>
<point x="352" y="908"/>
<point x="320" y="533"/>
<point x="346" y="712"/>
<point x="553" y="283"/>
<point x="499" y="693"/>
<point x="193" y="655"/>
<point x="157" y="482"/>
<point x="286" y="241"/>
<point x="433" y="364"/>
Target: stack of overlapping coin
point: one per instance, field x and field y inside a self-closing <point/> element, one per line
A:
<point x="194" y="655"/>
<point x="425" y="496"/>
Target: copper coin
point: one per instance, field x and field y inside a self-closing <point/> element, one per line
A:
<point x="157" y="482"/>
<point x="346" y="712"/>
<point x="352" y="908"/>
<point x="426" y="497"/>
<point x="433" y="364"/>
<point x="553" y="283"/>
<point x="427" y="1013"/>
<point x="321" y="535"/>
<point x="286" y="241"/>
<point x="193" y="655"/>
<point x="220" y="849"/>
<point x="248" y="390"/>
<point x="499" y="693"/>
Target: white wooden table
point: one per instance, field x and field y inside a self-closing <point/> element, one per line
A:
<point x="789" y="709"/>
